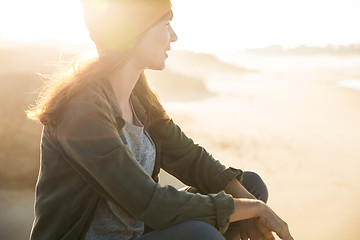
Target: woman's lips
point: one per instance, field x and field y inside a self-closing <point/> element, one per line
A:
<point x="168" y="49"/>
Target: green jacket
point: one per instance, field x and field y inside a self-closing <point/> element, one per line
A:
<point x="83" y="158"/>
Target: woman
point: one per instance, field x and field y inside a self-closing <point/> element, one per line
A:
<point x="106" y="136"/>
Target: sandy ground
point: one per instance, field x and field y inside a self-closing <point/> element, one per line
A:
<point x="292" y="125"/>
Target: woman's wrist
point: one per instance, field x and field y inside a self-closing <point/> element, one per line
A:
<point x="247" y="208"/>
<point x="261" y="208"/>
<point x="237" y="190"/>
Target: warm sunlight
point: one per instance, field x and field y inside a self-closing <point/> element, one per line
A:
<point x="41" y="19"/>
<point x="201" y="25"/>
<point x="267" y="86"/>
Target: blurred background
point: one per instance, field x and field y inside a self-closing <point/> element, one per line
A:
<point x="268" y="86"/>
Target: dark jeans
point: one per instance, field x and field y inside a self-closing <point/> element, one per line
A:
<point x="200" y="230"/>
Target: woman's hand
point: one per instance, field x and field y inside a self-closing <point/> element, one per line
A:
<point x="254" y="229"/>
<point x="265" y="218"/>
<point x="269" y="222"/>
<point x="250" y="229"/>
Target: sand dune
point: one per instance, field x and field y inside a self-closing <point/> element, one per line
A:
<point x="202" y="64"/>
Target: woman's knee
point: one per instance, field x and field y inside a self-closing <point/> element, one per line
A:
<point x="190" y="230"/>
<point x="255" y="185"/>
<point x="201" y="230"/>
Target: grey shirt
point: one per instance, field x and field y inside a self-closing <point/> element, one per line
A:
<point x="110" y="221"/>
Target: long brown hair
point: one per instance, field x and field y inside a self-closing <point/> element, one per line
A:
<point x="59" y="89"/>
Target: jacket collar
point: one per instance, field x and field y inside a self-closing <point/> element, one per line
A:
<point x="138" y="107"/>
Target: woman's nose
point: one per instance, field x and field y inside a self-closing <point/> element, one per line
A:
<point x="173" y="37"/>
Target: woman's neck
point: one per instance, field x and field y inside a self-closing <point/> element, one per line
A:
<point x="123" y="82"/>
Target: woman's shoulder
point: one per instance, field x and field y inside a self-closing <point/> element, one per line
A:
<point x="91" y="100"/>
<point x="93" y="94"/>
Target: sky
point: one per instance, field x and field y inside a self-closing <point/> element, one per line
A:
<point x="202" y="25"/>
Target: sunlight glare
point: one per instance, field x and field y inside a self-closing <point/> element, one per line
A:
<point x="201" y="25"/>
<point x="41" y="19"/>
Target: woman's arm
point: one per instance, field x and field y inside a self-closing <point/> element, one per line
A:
<point x="236" y="189"/>
<point x="245" y="209"/>
<point x="191" y="163"/>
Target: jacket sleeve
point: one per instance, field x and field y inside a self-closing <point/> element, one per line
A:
<point x="191" y="163"/>
<point x="90" y="143"/>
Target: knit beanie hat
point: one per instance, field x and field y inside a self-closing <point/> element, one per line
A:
<point x="115" y="25"/>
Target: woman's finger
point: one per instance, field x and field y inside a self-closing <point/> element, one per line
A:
<point x="243" y="235"/>
<point x="266" y="232"/>
<point x="257" y="236"/>
<point x="252" y="231"/>
<point x="274" y="223"/>
<point x="285" y="233"/>
<point x="269" y="236"/>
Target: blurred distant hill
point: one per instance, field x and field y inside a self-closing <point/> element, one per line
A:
<point x="202" y="64"/>
<point x="330" y="49"/>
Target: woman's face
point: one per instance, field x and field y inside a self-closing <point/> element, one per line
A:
<point x="150" y="51"/>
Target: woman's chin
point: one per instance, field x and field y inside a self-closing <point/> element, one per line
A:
<point x="160" y="66"/>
